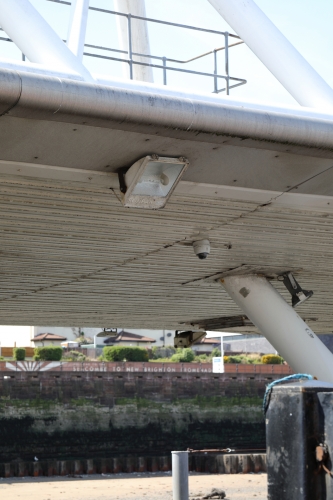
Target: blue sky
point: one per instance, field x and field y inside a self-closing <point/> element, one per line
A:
<point x="307" y="24"/>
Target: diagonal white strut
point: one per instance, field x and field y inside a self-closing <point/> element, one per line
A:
<point x="276" y="53"/>
<point x="77" y="27"/>
<point x="36" y="39"/>
<point x="281" y="325"/>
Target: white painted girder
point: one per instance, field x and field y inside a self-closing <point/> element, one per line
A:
<point x="276" y="52"/>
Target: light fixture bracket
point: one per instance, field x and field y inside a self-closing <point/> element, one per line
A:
<point x="298" y="295"/>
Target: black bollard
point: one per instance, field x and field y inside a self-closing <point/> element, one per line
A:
<point x="299" y="434"/>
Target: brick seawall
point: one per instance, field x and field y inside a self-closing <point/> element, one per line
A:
<point x="67" y="415"/>
<point x="150" y="367"/>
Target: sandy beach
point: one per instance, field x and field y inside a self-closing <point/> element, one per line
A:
<point x="150" y="486"/>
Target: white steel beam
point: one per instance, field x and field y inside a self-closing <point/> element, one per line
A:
<point x="107" y="180"/>
<point x="78" y="27"/>
<point x="139" y="36"/>
<point x="276" y="53"/>
<point x="281" y="325"/>
<point x="36" y="39"/>
<point x="39" y="69"/>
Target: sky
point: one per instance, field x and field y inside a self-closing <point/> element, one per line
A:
<point x="306" y="23"/>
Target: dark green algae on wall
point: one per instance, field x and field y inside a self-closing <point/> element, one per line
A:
<point x="86" y="420"/>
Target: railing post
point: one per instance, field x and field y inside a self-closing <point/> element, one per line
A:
<point x="164" y="71"/>
<point x="226" y="55"/>
<point x="130" y="50"/>
<point x="180" y="475"/>
<point x="215" y="72"/>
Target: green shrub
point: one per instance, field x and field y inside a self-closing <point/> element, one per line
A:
<point x="244" y="359"/>
<point x="51" y="353"/>
<point x="253" y="359"/>
<point x="235" y="359"/>
<point x="160" y="360"/>
<point x="162" y="352"/>
<point x="185" y="355"/>
<point x="121" y="353"/>
<point x="19" y="353"/>
<point x="2" y="358"/>
<point x="226" y="359"/>
<point x="216" y="352"/>
<point x="271" y="359"/>
<point x="74" y="356"/>
<point x="202" y="358"/>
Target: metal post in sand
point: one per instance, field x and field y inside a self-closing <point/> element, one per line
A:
<point x="180" y="475"/>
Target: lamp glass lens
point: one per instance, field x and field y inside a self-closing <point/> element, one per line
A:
<point x="158" y="179"/>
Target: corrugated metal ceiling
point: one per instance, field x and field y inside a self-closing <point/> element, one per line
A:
<point x="72" y="254"/>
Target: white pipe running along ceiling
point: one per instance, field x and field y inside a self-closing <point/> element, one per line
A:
<point x="140" y="38"/>
<point x="36" y="39"/>
<point x="276" y="53"/>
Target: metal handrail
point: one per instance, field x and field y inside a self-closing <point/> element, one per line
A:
<point x="165" y="60"/>
<point x="205" y="54"/>
<point x="106" y="11"/>
<point x="165" y="68"/>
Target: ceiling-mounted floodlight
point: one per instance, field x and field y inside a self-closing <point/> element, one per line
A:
<point x="107" y="332"/>
<point x="298" y="295"/>
<point x="188" y="338"/>
<point x="150" y="181"/>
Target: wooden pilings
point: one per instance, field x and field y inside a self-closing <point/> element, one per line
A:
<point x="199" y="462"/>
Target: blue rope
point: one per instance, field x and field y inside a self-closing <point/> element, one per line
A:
<point x="269" y="387"/>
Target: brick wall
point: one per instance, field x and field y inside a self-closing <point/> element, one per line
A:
<point x="59" y="414"/>
<point x="281" y="370"/>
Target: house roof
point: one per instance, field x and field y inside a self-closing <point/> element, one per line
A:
<point x="48" y="336"/>
<point x="206" y="340"/>
<point x="124" y="336"/>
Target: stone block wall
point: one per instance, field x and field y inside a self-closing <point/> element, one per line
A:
<point x="82" y="414"/>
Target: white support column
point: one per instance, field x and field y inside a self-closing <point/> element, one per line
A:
<point x="140" y="39"/>
<point x="281" y="325"/>
<point x="36" y="39"/>
<point x="276" y="53"/>
<point x="78" y="27"/>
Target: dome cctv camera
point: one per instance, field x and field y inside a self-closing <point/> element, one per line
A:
<point x="201" y="248"/>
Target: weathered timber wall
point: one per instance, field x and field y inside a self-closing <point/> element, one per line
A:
<point x="199" y="462"/>
<point x="78" y="414"/>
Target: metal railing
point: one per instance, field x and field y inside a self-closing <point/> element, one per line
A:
<point x="165" y="62"/>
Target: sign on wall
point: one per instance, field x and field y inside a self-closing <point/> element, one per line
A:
<point x="218" y="364"/>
